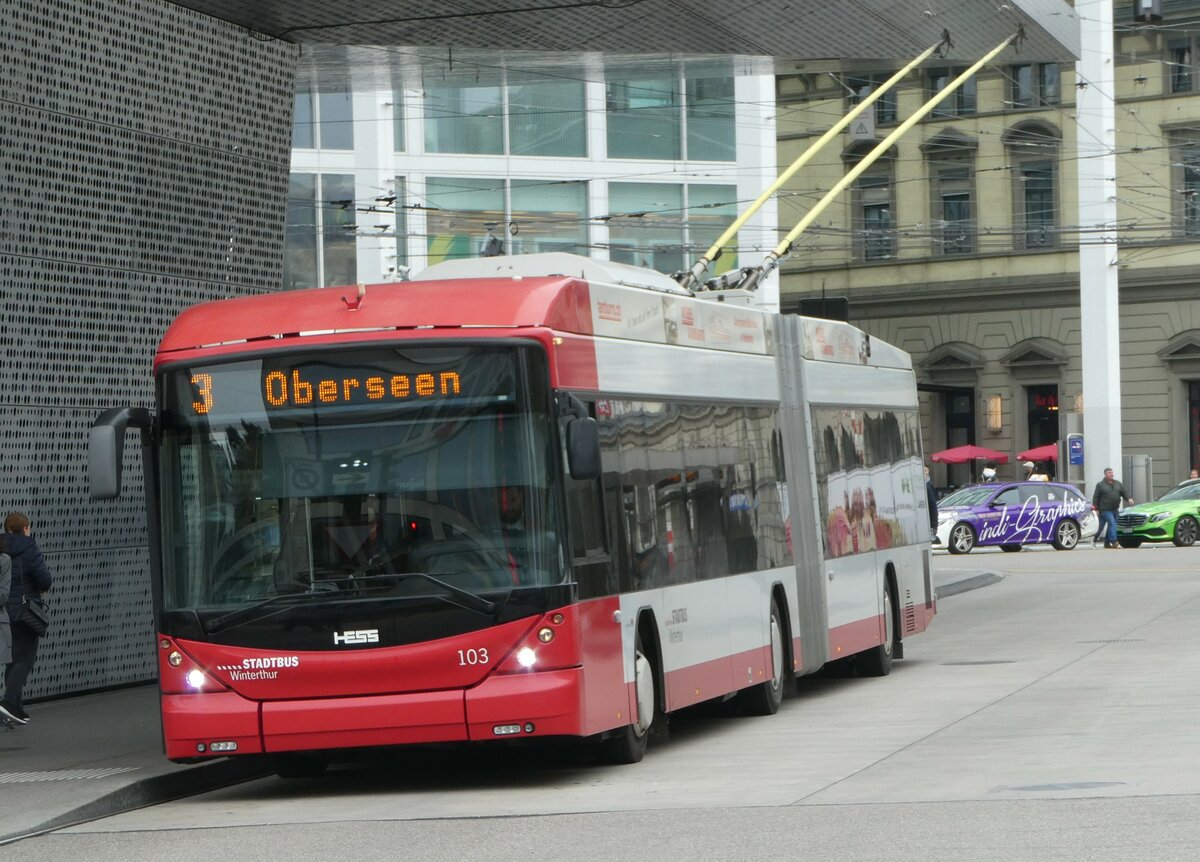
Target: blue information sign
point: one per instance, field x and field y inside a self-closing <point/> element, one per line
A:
<point x="1074" y="448"/>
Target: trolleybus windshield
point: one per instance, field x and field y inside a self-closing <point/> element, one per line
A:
<point x="356" y="475"/>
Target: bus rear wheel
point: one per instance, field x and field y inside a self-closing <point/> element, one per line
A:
<point x="628" y="744"/>
<point x="878" y="660"/>
<point x="765" y="697"/>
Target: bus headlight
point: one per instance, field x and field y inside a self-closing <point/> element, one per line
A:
<point x="196" y="679"/>
<point x="526" y="657"/>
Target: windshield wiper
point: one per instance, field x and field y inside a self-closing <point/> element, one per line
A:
<point x="242" y="615"/>
<point x="469" y="600"/>
<point x="466" y="599"/>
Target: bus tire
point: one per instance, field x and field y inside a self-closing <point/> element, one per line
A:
<point x="764" y="698"/>
<point x="877" y="661"/>
<point x="628" y="744"/>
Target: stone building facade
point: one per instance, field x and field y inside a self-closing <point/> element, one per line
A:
<point x="961" y="243"/>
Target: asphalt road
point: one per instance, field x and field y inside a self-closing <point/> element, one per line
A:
<point x="1050" y="716"/>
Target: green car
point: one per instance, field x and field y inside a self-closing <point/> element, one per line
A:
<point x="1173" y="517"/>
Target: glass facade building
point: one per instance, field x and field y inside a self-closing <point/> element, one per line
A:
<point x="642" y="168"/>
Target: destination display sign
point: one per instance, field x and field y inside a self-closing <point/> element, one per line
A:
<point x="334" y="382"/>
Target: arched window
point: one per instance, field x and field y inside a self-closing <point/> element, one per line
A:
<point x="1033" y="149"/>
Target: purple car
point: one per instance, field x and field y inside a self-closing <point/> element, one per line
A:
<point x="1014" y="514"/>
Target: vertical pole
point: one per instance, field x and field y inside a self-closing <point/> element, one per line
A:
<point x="1098" y="278"/>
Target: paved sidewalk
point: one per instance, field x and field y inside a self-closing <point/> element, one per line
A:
<point x="90" y="756"/>
<point x="81" y="758"/>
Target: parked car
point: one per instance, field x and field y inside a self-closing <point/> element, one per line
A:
<point x="1012" y="515"/>
<point x="1173" y="517"/>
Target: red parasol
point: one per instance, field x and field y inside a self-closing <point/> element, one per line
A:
<point x="963" y="454"/>
<point x="1049" y="452"/>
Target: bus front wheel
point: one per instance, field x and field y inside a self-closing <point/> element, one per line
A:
<point x="628" y="744"/>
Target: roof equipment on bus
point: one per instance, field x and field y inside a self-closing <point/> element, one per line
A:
<point x="752" y="276"/>
<point x="693" y="276"/>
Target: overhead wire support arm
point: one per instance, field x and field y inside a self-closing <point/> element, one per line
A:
<point x="693" y="276"/>
<point x="771" y="262"/>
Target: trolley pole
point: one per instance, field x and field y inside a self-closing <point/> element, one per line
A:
<point x="1098" y="276"/>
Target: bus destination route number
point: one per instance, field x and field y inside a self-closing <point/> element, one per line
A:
<point x="282" y="390"/>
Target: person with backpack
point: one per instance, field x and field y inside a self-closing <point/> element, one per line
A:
<point x="30" y="577"/>
<point x="6" y="718"/>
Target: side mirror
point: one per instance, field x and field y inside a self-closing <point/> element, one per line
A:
<point x="583" y="448"/>
<point x="106" y="442"/>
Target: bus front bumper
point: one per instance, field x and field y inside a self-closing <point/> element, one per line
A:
<point x="508" y="706"/>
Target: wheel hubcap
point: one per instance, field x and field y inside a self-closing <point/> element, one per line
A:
<point x="1067" y="535"/>
<point x="962" y="539"/>
<point x="889" y="632"/>
<point x="776" y="654"/>
<point x="644" y="684"/>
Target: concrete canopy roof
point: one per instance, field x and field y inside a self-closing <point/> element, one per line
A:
<point x="796" y="31"/>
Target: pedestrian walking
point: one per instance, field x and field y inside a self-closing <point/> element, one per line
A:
<point x="931" y="499"/>
<point x="1107" y="498"/>
<point x="5" y="632"/>
<point x="29" y="577"/>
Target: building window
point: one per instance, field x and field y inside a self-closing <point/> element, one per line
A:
<point x="1034" y="85"/>
<point x="465" y="219"/>
<point x="964" y="100"/>
<point x="320" y="242"/>
<point x="954" y="203"/>
<point x="710" y="119"/>
<point x="874" y="225"/>
<point x="664" y="118"/>
<point x="1033" y="153"/>
<point x="644" y="119"/>
<point x="1179" y="67"/>
<point x="951" y="165"/>
<point x="300" y="256"/>
<point x="646" y="225"/>
<point x="548" y="216"/>
<point x="864" y="85"/>
<point x="323" y="117"/>
<point x="464" y="117"/>
<point x="1038" y="212"/>
<point x="1185" y="160"/>
<point x="546" y="117"/>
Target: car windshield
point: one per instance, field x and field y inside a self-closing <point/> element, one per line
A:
<point x="1183" y="492"/>
<point x="974" y="496"/>
<point x="320" y="474"/>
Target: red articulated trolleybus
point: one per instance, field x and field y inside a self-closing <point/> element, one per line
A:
<point x="518" y="497"/>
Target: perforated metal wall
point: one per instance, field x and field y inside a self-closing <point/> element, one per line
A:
<point x="144" y="154"/>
